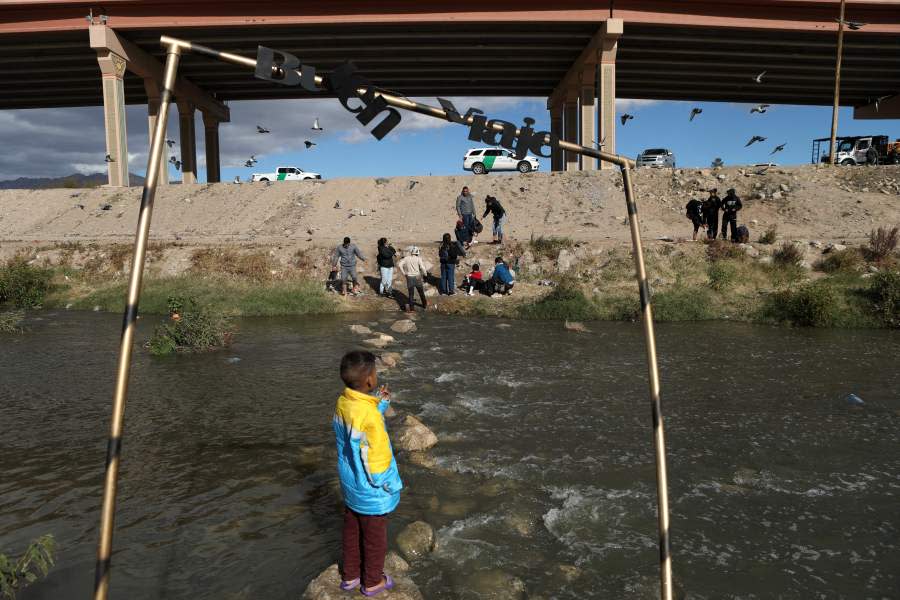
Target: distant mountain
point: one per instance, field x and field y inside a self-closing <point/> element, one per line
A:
<point x="75" y="180"/>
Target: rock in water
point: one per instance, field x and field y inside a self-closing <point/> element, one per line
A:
<point x="404" y="326"/>
<point x="389" y="360"/>
<point x="360" y="329"/>
<point x="416" y="540"/>
<point x="327" y="585"/>
<point x="414" y="436"/>
<point x="575" y="326"/>
<point x="854" y="400"/>
<point x="495" y="584"/>
<point x="376" y="342"/>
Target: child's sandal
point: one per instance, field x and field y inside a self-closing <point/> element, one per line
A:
<point x="352" y="584"/>
<point x="387" y="585"/>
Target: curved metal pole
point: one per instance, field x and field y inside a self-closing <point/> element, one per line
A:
<point x="114" y="446"/>
<point x="837" y="86"/>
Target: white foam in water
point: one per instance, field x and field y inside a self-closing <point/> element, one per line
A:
<point x="480" y="405"/>
<point x="458" y="543"/>
<point x="506" y="380"/>
<point x="449" y="377"/>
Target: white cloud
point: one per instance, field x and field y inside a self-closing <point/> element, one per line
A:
<point x="633" y="103"/>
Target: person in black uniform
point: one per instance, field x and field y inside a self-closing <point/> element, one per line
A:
<point x="731" y="204"/>
<point x="711" y="208"/>
<point x="493" y="206"/>
<point x="694" y="212"/>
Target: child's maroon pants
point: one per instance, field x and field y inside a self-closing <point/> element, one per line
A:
<point x="365" y="544"/>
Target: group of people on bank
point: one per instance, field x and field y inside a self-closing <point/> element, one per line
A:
<point x="417" y="271"/>
<point x="706" y="214"/>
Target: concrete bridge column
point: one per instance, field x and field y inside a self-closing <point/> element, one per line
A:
<point x="153" y="93"/>
<point x="187" y="132"/>
<point x="211" y="131"/>
<point x="570" y="109"/>
<point x="606" y="86"/>
<point x="556" y="128"/>
<point x="588" y="114"/>
<point x="112" y="69"/>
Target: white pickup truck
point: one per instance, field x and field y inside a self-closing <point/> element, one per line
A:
<point x="285" y="174"/>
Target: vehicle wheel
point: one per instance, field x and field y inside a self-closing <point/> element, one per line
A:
<point x="479" y="169"/>
<point x="264" y="179"/>
<point x="524" y="166"/>
<point x="847" y="162"/>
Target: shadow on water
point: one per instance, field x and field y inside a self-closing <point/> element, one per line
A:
<point x="544" y="470"/>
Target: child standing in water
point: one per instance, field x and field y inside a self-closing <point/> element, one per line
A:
<point x="370" y="482"/>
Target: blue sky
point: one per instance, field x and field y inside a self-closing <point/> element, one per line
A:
<point x="56" y="142"/>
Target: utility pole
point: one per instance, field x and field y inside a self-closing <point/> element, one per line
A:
<point x="837" y="85"/>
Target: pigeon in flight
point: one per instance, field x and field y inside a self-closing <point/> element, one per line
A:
<point x="754" y="139"/>
<point x="778" y="148"/>
<point x="170" y="143"/>
<point x="316" y="126"/>
<point x="177" y="164"/>
<point x="759" y="108"/>
<point x="249" y="164"/>
<point x="718" y="162"/>
<point x="853" y="25"/>
<point x="109" y="159"/>
<point x="308" y="144"/>
<point x="695" y="112"/>
<point x="625" y="118"/>
<point x="173" y="160"/>
<point x="759" y="78"/>
<point x="261" y="129"/>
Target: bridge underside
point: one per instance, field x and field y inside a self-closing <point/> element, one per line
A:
<point x="50" y="69"/>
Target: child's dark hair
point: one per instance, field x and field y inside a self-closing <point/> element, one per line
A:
<point x="498" y="260"/>
<point x="476" y="267"/>
<point x="355" y="367"/>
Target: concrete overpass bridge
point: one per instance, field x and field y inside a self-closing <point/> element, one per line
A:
<point x="579" y="54"/>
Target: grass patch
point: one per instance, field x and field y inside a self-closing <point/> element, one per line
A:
<point x="722" y="250"/>
<point x="549" y="247"/>
<point x="810" y="305"/>
<point x="848" y="260"/>
<point x="257" y="266"/>
<point x="769" y="236"/>
<point x="191" y="328"/>
<point x="228" y="296"/>
<point x="683" y="303"/>
<point x="23" y="285"/>
<point x="566" y="301"/>
<point x="884" y="291"/>
<point x="882" y="243"/>
<point x="722" y="275"/>
<point x="788" y="255"/>
<point x="11" y="321"/>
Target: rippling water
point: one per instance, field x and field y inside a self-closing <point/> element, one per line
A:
<point x="544" y="471"/>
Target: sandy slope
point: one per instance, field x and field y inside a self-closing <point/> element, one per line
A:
<point x="821" y="204"/>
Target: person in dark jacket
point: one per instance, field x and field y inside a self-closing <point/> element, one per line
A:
<point x="731" y="204"/>
<point x="711" y="207"/>
<point x="694" y="212"/>
<point x="449" y="254"/>
<point x="463" y="234"/>
<point x="385" y="260"/>
<point x="493" y="206"/>
<point x="465" y="210"/>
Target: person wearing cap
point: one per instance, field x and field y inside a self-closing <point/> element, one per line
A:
<point x="415" y="271"/>
<point x="711" y="207"/>
<point x="731" y="204"/>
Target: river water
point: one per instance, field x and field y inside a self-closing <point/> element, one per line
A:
<point x="779" y="487"/>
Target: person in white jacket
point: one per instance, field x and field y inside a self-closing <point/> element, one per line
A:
<point x="415" y="271"/>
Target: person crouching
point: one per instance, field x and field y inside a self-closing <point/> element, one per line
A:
<point x="472" y="282"/>
<point x="502" y="279"/>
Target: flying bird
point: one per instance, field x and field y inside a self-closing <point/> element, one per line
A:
<point x="695" y="112"/>
<point x="853" y="25"/>
<point x="308" y="144"/>
<point x="173" y="160"/>
<point x="718" y="162"/>
<point x="316" y="126"/>
<point x="177" y="164"/>
<point x="778" y="148"/>
<point x="758" y="78"/>
<point x="261" y="129"/>
<point x="109" y="159"/>
<point x="755" y="138"/>
<point x="759" y="108"/>
<point x="170" y="143"/>
<point x="625" y="117"/>
<point x="249" y="164"/>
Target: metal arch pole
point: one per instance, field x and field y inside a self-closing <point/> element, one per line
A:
<point x="659" y="438"/>
<point x="837" y="86"/>
<point x="114" y="446"/>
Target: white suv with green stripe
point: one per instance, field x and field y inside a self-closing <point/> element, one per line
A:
<point x="482" y="160"/>
<point x="285" y="174"/>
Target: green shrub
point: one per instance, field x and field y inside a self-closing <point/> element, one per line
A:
<point x="846" y="261"/>
<point x="722" y="249"/>
<point x="812" y="305"/>
<point x="882" y="243"/>
<point x="549" y="247"/>
<point x="884" y="292"/>
<point x="769" y="236"/>
<point x="566" y="301"/>
<point x="191" y="328"/>
<point x="23" y="285"/>
<point x="35" y="562"/>
<point x="682" y="303"/>
<point x="721" y="275"/>
<point x="788" y="255"/>
<point x="11" y="321"/>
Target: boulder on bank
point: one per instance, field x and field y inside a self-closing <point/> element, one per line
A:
<point x="404" y="326"/>
<point x="413" y="436"/>
<point x="416" y="540"/>
<point x="327" y="585"/>
<point x="360" y="329"/>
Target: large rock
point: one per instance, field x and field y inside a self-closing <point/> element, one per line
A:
<point x="749" y="250"/>
<point x="327" y="585"/>
<point x="404" y="326"/>
<point x="389" y="360"/>
<point x="575" y="326"/>
<point x="416" y="540"/>
<point x="380" y="342"/>
<point x="413" y="435"/>
<point x="564" y="260"/>
<point x="360" y="329"/>
<point x="494" y="584"/>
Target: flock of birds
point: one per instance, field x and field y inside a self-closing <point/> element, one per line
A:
<point x="251" y="162"/>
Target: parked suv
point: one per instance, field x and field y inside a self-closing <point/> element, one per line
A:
<point x="482" y="160"/>
<point x="656" y="157"/>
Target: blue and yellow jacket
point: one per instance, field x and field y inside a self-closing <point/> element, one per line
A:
<point x="370" y="480"/>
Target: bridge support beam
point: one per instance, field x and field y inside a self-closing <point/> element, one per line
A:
<point x="588" y="114"/>
<point x="188" y="135"/>
<point x="557" y="160"/>
<point x="606" y="87"/>
<point x="211" y="131"/>
<point x="153" y="97"/>
<point x="570" y="110"/>
<point x="112" y="69"/>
